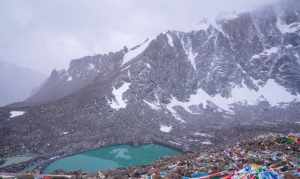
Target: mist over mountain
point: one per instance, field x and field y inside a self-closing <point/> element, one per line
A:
<point x="17" y="83"/>
<point x="89" y="27"/>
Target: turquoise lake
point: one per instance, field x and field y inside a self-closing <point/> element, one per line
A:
<point x="116" y="156"/>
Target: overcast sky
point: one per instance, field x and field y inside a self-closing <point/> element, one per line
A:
<point x="44" y="35"/>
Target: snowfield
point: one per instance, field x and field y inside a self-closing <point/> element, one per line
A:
<point x="165" y="129"/>
<point x="14" y="114"/>
<point x="271" y="92"/>
<point x="118" y="102"/>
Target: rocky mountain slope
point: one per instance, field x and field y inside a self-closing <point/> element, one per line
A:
<point x="17" y="83"/>
<point x="81" y="73"/>
<point x="232" y="78"/>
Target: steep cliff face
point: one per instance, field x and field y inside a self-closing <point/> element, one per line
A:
<point x="233" y="77"/>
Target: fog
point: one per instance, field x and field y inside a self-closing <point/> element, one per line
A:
<point x="44" y="35"/>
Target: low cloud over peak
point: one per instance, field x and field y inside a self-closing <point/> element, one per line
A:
<point x="47" y="34"/>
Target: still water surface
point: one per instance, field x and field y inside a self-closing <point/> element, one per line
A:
<point x="111" y="157"/>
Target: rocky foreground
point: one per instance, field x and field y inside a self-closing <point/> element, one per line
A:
<point x="272" y="156"/>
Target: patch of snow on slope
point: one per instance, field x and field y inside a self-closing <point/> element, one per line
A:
<point x="192" y="57"/>
<point x="271" y="91"/>
<point x="70" y="78"/>
<point x="118" y="102"/>
<point x="175" y="114"/>
<point x="175" y="143"/>
<point x="165" y="129"/>
<point x="174" y="102"/>
<point x="14" y="114"/>
<point x="272" y="50"/>
<point x="266" y="52"/>
<point x="217" y="26"/>
<point x="131" y="54"/>
<point x="202" y="134"/>
<point x="148" y="65"/>
<point x="154" y="106"/>
<point x="65" y="133"/>
<point x="188" y="49"/>
<point x="129" y="74"/>
<point x="91" y="66"/>
<point x="170" y="40"/>
<point x="285" y="28"/>
<point x="52" y="158"/>
<point x="206" y="142"/>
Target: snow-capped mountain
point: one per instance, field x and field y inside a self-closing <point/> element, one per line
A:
<point x="17" y="83"/>
<point x="231" y="78"/>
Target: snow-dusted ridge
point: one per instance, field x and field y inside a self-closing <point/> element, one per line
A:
<point x="287" y="28"/>
<point x="170" y="40"/>
<point x="132" y="53"/>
